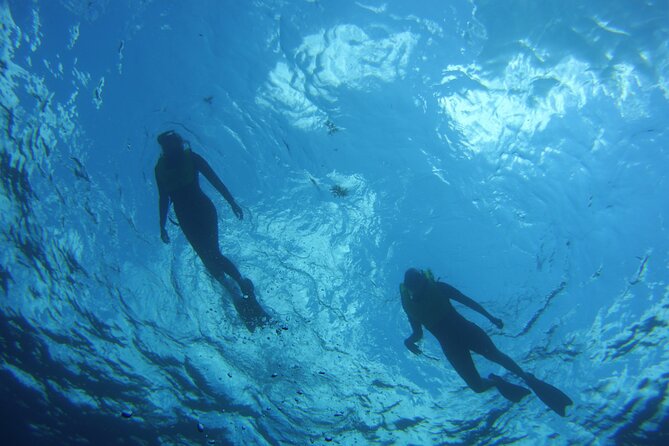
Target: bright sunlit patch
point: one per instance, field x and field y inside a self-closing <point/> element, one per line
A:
<point x="285" y="90"/>
<point x="515" y="105"/>
<point x="612" y="29"/>
<point x="341" y="57"/>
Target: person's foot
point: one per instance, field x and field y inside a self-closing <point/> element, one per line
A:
<point x="509" y="391"/>
<point x="247" y="287"/>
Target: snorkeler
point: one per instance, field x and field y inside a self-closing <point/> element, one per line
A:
<point x="177" y="172"/>
<point x="428" y="302"/>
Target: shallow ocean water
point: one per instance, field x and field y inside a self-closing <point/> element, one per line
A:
<point x="517" y="149"/>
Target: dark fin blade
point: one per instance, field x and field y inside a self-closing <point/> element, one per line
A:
<point x="511" y="392"/>
<point x="551" y="396"/>
<point x="251" y="313"/>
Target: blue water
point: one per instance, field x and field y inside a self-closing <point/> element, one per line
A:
<point x="519" y="149"/>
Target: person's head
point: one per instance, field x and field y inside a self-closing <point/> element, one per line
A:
<point x="415" y="281"/>
<point x="171" y="142"/>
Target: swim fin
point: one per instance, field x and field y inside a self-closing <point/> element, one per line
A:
<point x="251" y="313"/>
<point x="509" y="391"/>
<point x="551" y="396"/>
<point x="246" y="304"/>
<point x="246" y="287"/>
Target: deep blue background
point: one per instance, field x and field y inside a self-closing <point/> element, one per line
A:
<point x="518" y="149"/>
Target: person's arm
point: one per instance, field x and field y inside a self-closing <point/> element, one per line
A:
<point x="203" y="167"/>
<point x="416" y="328"/>
<point x="163" y="207"/>
<point x="456" y="295"/>
<point x="416" y="335"/>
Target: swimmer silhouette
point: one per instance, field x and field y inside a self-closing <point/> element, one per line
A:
<point x="177" y="172"/>
<point x="428" y="302"/>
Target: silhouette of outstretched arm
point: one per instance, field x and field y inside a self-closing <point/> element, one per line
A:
<point x="163" y="207"/>
<point x="453" y="293"/>
<point x="416" y="335"/>
<point x="416" y="327"/>
<point x="205" y="169"/>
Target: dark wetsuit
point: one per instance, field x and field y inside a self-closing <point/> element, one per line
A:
<point x="428" y="302"/>
<point x="456" y="335"/>
<point x="178" y="183"/>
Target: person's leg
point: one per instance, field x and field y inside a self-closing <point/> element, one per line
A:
<point x="476" y="340"/>
<point x="219" y="265"/>
<point x="481" y="343"/>
<point x="461" y="360"/>
<point x="551" y="396"/>
<point x="201" y="229"/>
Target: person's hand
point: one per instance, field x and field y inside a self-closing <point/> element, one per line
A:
<point x="498" y="322"/>
<point x="413" y="348"/>
<point x="164" y="236"/>
<point x="237" y="210"/>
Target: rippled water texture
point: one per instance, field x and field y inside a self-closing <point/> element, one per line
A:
<point x="519" y="149"/>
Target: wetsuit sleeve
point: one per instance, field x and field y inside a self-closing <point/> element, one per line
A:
<point x="454" y="294"/>
<point x="416" y="327"/>
<point x="205" y="169"/>
<point x="416" y="333"/>
<point x="163" y="202"/>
